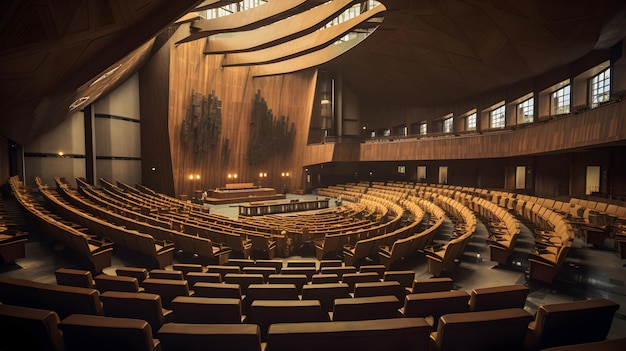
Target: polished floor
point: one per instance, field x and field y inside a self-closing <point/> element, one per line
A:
<point x="587" y="273"/>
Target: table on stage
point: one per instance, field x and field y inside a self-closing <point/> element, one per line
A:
<point x="271" y="207"/>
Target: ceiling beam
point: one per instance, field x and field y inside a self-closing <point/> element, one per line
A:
<point x="277" y="32"/>
<point x="306" y="44"/>
<point x="250" y="19"/>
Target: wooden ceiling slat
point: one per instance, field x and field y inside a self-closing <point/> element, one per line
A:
<point x="302" y="45"/>
<point x="250" y="19"/>
<point x="277" y="32"/>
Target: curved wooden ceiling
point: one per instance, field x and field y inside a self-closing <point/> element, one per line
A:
<point x="425" y="52"/>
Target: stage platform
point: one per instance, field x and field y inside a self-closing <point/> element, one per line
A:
<point x="235" y="195"/>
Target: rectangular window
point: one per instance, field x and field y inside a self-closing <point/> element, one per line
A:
<point x="525" y="111"/>
<point x="600" y="88"/>
<point x="443" y="174"/>
<point x="421" y="174"/>
<point x="423" y="128"/>
<point x="498" y="117"/>
<point x="561" y="101"/>
<point x="448" y="125"/>
<point x="520" y="177"/>
<point x="387" y="132"/>
<point x="471" y="121"/>
<point x="592" y="181"/>
<point x="401" y="169"/>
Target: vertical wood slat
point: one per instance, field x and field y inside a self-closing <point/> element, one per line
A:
<point x="289" y="95"/>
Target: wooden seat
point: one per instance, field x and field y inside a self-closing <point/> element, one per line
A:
<point x="30" y="329"/>
<point x="371" y="335"/>
<point x="498" y="297"/>
<point x="105" y="282"/>
<point x="330" y="246"/>
<point x="244" y="280"/>
<point x="107" y="333"/>
<point x="206" y="310"/>
<point x="74" y="277"/>
<point x="606" y="345"/>
<point x="195" y="277"/>
<point x="405" y="278"/>
<point x="326" y="294"/>
<point x="168" y="289"/>
<point x="223" y="270"/>
<point x="308" y="271"/>
<point x="325" y="278"/>
<point x="145" y="306"/>
<point x="276" y="264"/>
<point x="221" y="290"/>
<point x="436" y="304"/>
<point x="262" y="246"/>
<point x="432" y="285"/>
<point x="138" y="272"/>
<point x="166" y="274"/>
<point x="266" y="312"/>
<point x="197" y="337"/>
<point x="352" y="278"/>
<point x="299" y="280"/>
<point x="264" y="271"/>
<point x="393" y="288"/>
<point x="340" y="271"/>
<point x="377" y="268"/>
<point x="67" y="300"/>
<point x="570" y="323"/>
<point x="363" y="308"/>
<point x="268" y="292"/>
<point x="485" y="330"/>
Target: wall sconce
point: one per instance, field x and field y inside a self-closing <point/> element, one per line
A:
<point x="60" y="154"/>
<point x="232" y="176"/>
<point x="263" y="175"/>
<point x="197" y="177"/>
<point x="191" y="177"/>
<point x="284" y="174"/>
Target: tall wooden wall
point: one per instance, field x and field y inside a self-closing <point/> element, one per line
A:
<point x="286" y="95"/>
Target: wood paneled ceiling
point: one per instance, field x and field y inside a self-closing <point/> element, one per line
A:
<point x="424" y="52"/>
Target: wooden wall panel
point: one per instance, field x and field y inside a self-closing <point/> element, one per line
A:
<point x="153" y="100"/>
<point x="594" y="127"/>
<point x="288" y="95"/>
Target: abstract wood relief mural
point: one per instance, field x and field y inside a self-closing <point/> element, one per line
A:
<point x="201" y="128"/>
<point x="269" y="135"/>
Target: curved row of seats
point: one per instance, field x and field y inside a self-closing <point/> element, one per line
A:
<point x="191" y="244"/>
<point x="160" y="252"/>
<point x="394" y="246"/>
<point x="449" y="319"/>
<point x="269" y="242"/>
<point x="12" y="238"/>
<point x="97" y="253"/>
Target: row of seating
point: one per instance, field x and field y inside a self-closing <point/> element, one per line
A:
<point x="447" y="256"/>
<point x="554" y="232"/>
<point x="400" y="247"/>
<point x="511" y="328"/>
<point x="12" y="238"/>
<point x="96" y="253"/>
<point x="159" y="252"/>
